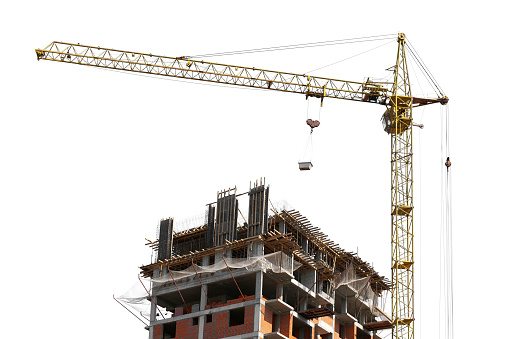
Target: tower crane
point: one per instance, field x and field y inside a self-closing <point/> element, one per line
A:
<point x="397" y="121"/>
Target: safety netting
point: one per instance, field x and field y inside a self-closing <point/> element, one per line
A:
<point x="138" y="299"/>
<point x="277" y="262"/>
<point x="360" y="286"/>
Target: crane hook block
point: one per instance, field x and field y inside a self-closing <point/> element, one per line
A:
<point x="312" y="123"/>
<point x="448" y="163"/>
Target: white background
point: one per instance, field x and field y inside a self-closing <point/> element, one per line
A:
<point x="92" y="159"/>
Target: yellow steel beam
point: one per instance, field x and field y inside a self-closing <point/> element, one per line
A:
<point x="399" y="115"/>
<point x="180" y="67"/>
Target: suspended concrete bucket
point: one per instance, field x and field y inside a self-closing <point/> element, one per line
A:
<point x="305" y="166"/>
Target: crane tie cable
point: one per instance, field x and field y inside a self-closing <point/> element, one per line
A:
<point x="423" y="66"/>
<point x="304" y="45"/>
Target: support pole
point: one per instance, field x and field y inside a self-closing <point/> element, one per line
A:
<point x="241" y="294"/>
<point x="193" y="265"/>
<point x="149" y="294"/>
<point x="172" y="276"/>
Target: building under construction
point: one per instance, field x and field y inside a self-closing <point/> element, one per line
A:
<point x="266" y="274"/>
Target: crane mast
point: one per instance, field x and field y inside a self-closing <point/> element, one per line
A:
<point x="398" y="118"/>
<point x="397" y="121"/>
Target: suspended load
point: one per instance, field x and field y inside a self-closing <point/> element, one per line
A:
<point x="307" y="165"/>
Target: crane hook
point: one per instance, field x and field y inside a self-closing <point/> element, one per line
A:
<point x="312" y="123"/>
<point x="448" y="164"/>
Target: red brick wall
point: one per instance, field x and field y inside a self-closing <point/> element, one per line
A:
<point x="286" y="327"/>
<point x="328" y="319"/>
<point x="351" y="332"/>
<point x="185" y="330"/>
<point x="215" y="304"/>
<point x="219" y="327"/>
<point x="337" y="330"/>
<point x="266" y="320"/>
<point x="286" y="324"/>
<point x="158" y="332"/>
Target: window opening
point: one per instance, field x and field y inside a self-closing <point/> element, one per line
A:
<point x="236" y="317"/>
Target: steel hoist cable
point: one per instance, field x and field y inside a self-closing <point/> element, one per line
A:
<point x="446" y="299"/>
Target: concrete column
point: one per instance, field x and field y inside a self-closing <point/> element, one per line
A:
<point x="203" y="303"/>
<point x="152" y="316"/>
<point x="282" y="227"/>
<point x="218" y="257"/>
<point x="309" y="278"/>
<point x="277" y="322"/>
<point x="280" y="291"/>
<point x="258" y="294"/>
<point x="344" y="305"/>
<point x="257" y="249"/>
<point x="203" y="297"/>
<point x="259" y="285"/>
<point x="303" y="304"/>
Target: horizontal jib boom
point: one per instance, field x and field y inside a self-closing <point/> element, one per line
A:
<point x="184" y="68"/>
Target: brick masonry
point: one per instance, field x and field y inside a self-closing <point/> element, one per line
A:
<point x="219" y="326"/>
<point x="267" y="320"/>
<point x="158" y="332"/>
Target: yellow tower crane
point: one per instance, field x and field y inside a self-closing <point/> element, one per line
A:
<point x="397" y="121"/>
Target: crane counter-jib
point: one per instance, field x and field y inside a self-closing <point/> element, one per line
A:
<point x="181" y="67"/>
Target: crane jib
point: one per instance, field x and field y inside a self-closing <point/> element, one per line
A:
<point x="317" y="87"/>
<point x="221" y="73"/>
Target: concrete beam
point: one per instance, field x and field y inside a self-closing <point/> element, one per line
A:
<point x="214" y="277"/>
<point x="205" y="312"/>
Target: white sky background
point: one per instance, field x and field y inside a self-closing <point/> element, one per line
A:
<point x="92" y="159"/>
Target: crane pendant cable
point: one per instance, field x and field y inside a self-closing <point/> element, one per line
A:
<point x="446" y="304"/>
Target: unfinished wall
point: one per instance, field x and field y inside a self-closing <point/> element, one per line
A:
<point x="258" y="210"/>
<point x="185" y="329"/>
<point x="226" y="222"/>
<point x="268" y="320"/>
<point x="210" y="226"/>
<point x="165" y="240"/>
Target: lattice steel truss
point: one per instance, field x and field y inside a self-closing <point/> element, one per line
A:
<point x="399" y="108"/>
<point x="181" y="67"/>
